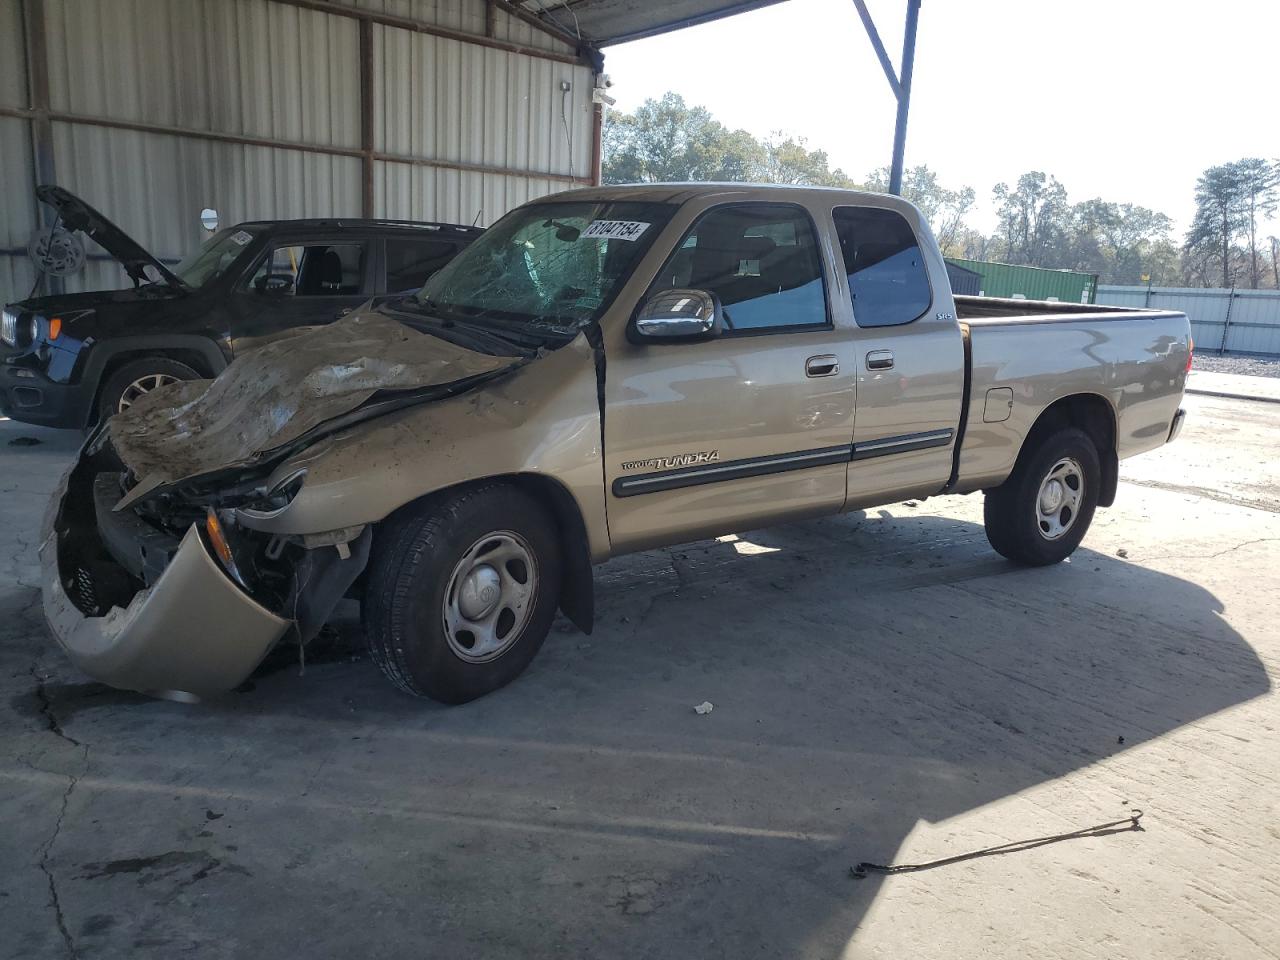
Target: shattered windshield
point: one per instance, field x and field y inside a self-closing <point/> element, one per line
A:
<point x="214" y="256"/>
<point x="548" y="264"/>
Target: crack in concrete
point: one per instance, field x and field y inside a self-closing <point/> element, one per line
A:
<point x="46" y="709"/>
<point x="54" y="898"/>
<point x="1211" y="556"/>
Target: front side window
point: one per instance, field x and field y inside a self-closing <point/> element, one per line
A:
<point x="761" y="260"/>
<point x="553" y="266"/>
<point x="311" y="270"/>
<point x="411" y="260"/>
<point x="887" y="275"/>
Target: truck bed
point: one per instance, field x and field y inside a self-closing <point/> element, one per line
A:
<point x="1001" y="308"/>
<point x="1022" y="355"/>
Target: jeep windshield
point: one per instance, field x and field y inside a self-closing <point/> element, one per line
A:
<point x="545" y="268"/>
<point x="214" y="256"/>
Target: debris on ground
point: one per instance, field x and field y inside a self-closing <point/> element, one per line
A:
<point x="1126" y="825"/>
<point x="912" y="503"/>
<point x="1122" y="553"/>
<point x="25" y="442"/>
<point x="703" y="708"/>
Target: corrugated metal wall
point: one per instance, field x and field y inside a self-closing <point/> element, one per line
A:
<point x="1249" y="318"/>
<point x="462" y="131"/>
<point x="17" y="204"/>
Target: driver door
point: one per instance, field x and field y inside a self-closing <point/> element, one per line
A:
<point x="753" y="426"/>
<point x="300" y="283"/>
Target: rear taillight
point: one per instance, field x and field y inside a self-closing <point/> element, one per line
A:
<point x="1191" y="351"/>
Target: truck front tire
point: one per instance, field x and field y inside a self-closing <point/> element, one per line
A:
<point x="462" y="592"/>
<point x="1041" y="513"/>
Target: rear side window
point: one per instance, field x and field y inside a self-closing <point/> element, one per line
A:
<point x="761" y="260"/>
<point x="411" y="260"/>
<point x="883" y="260"/>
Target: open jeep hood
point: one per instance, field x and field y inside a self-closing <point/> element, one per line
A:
<point x="78" y="215"/>
<point x="274" y="395"/>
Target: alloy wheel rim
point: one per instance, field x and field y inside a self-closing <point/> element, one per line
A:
<point x="141" y="387"/>
<point x="1059" y="498"/>
<point x="490" y="596"/>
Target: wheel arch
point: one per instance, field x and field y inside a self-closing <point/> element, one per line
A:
<point x="577" y="589"/>
<point x="1093" y="414"/>
<point x="200" y="353"/>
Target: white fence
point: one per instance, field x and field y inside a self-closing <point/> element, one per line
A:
<point x="1240" y="321"/>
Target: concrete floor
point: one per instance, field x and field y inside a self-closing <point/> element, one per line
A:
<point x="885" y="688"/>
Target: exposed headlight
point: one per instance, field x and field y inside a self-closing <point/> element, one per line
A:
<point x="279" y="496"/>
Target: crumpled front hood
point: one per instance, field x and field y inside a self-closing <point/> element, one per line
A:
<point x="271" y="396"/>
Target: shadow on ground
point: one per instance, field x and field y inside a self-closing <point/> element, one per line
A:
<point x="866" y="675"/>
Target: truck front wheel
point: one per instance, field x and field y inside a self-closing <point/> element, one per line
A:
<point x="462" y="591"/>
<point x="1041" y="513"/>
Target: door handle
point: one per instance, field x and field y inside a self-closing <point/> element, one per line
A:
<point x="880" y="360"/>
<point x="827" y="365"/>
<point x="344" y="311"/>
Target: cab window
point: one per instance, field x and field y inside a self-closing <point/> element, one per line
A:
<point x="311" y="270"/>
<point x="761" y="260"/>
<point x="887" y="276"/>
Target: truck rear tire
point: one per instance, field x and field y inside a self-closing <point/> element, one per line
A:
<point x="137" y="378"/>
<point x="1041" y="513"/>
<point x="462" y="591"/>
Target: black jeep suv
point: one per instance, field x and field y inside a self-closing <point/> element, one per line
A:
<point x="71" y="359"/>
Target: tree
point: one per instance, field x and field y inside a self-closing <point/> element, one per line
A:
<point x="945" y="209"/>
<point x="1034" y="219"/>
<point x="1219" y="218"/>
<point x="789" y="160"/>
<point x="667" y="140"/>
<point x="1118" y="241"/>
<point x="1257" y="180"/>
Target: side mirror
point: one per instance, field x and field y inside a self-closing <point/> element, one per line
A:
<point x="673" y="315"/>
<point x="209" y="219"/>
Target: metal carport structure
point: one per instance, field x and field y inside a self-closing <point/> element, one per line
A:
<point x="425" y="109"/>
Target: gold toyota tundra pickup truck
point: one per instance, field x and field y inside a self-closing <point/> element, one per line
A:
<point x="603" y="371"/>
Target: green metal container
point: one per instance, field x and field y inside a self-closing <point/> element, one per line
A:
<point x="1031" y="283"/>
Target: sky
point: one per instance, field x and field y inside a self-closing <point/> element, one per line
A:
<point x="1127" y="100"/>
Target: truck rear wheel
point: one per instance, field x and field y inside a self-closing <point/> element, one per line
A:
<point x="1042" y="512"/>
<point x="462" y="592"/>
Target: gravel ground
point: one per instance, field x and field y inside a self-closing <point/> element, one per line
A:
<point x="1248" y="366"/>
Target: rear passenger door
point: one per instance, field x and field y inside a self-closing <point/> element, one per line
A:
<point x="411" y="260"/>
<point x="910" y="356"/>
<point x="300" y="283"/>
<point x="747" y="428"/>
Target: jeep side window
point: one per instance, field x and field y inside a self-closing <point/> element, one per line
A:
<point x="761" y="260"/>
<point x="311" y="270"/>
<point x="882" y="258"/>
<point x="411" y="260"/>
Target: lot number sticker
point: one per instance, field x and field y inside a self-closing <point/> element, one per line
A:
<point x="616" y="229"/>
